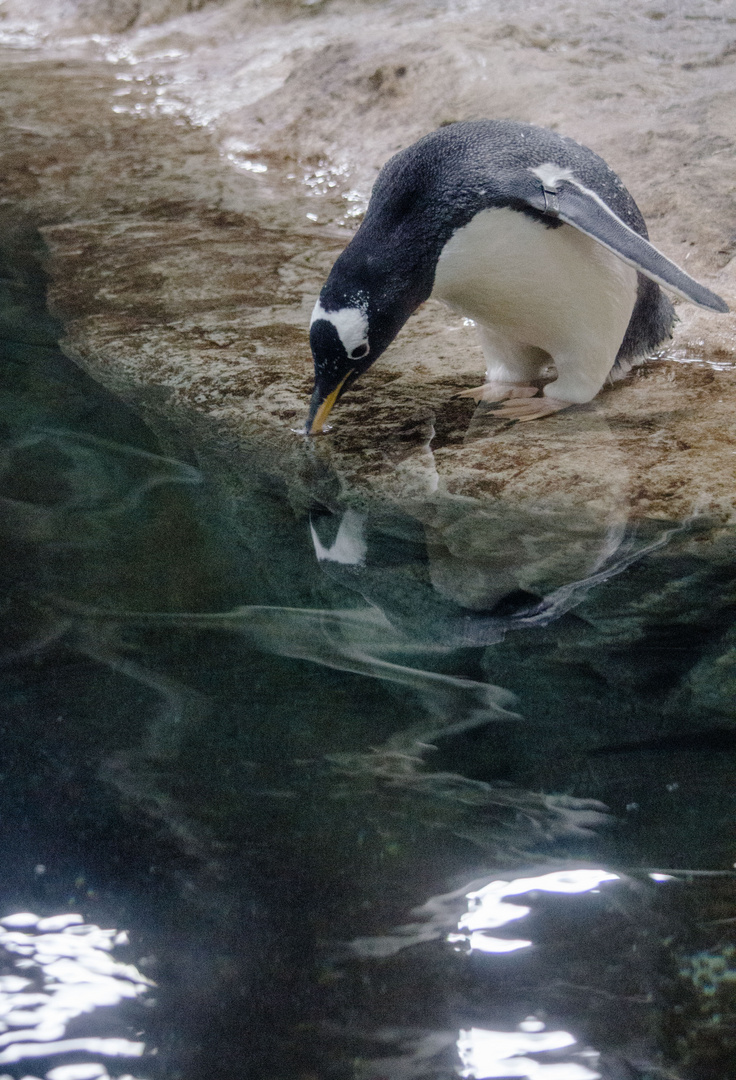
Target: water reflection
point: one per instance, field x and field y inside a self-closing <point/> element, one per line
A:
<point x="67" y="972"/>
<point x="348" y="560"/>
<point x="485" y="1054"/>
<point x="545" y="1023"/>
<point x="487" y="910"/>
<point x="295" y="713"/>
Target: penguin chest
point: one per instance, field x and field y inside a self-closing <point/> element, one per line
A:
<point x="553" y="288"/>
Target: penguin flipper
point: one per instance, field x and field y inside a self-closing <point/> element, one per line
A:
<point x="562" y="196"/>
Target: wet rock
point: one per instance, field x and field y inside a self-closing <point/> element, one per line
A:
<point x="185" y="277"/>
<point x="193" y="182"/>
<point x="184" y="266"/>
<point x="106" y="16"/>
<point x="184" y="261"/>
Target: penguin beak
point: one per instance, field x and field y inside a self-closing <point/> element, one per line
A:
<point x="320" y="408"/>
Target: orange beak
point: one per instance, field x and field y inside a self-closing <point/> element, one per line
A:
<point x="320" y="417"/>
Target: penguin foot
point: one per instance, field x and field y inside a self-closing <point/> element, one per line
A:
<point x="499" y="391"/>
<point x="530" y="410"/>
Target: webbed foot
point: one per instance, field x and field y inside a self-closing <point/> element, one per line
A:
<point x="499" y="391"/>
<point x="530" y="410"/>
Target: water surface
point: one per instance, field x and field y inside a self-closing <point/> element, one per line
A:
<point x="375" y="791"/>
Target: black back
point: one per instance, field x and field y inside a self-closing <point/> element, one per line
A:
<point x="436" y="186"/>
<point x="429" y="190"/>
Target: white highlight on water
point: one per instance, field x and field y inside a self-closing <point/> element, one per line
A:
<point x="485" y="1054"/>
<point x="70" y="964"/>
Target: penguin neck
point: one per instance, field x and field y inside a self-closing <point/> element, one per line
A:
<point x="387" y="280"/>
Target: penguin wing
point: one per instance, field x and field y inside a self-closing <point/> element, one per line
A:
<point x="558" y="194"/>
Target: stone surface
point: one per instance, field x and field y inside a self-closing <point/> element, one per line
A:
<point x="208" y="653"/>
<point x="195" y="179"/>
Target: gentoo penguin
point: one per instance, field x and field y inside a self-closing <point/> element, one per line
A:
<point x="527" y="233"/>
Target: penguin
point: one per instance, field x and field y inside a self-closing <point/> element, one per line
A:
<point x="526" y="232"/>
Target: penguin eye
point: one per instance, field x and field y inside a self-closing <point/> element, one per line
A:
<point x="359" y="352"/>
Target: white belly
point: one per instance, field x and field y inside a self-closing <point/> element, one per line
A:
<point x="552" y="289"/>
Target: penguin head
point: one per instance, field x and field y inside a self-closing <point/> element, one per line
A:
<point x="341" y="347"/>
<point x="373" y="288"/>
<point x="345" y="341"/>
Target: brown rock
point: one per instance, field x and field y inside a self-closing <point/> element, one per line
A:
<point x="184" y="274"/>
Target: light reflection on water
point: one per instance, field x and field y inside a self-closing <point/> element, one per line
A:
<point x="530" y="1048"/>
<point x="717" y="362"/>
<point x="487" y="910"/>
<point x="485" y="1054"/>
<point x="67" y="972"/>
<point x="284" y="696"/>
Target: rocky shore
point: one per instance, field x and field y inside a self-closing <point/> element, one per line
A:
<point x="196" y="172"/>
<point x="353" y="667"/>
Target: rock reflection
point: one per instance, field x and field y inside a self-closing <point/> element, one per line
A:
<point x="343" y="704"/>
<point x="347" y="561"/>
<point x="76" y="472"/>
<point x="353" y="640"/>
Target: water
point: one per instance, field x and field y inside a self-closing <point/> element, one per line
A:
<point x="354" y="803"/>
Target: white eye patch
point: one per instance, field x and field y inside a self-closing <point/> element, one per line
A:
<point x="351" y="324"/>
<point x="551" y="175"/>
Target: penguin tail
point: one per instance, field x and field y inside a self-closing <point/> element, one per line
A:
<point x="651" y="324"/>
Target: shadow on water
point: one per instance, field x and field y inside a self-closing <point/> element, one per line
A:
<point x="354" y="828"/>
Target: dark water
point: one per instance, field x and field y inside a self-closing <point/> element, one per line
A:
<point x="353" y="830"/>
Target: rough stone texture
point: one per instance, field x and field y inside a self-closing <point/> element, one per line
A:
<point x="184" y="273"/>
<point x="184" y="279"/>
<point x="106" y="16"/>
